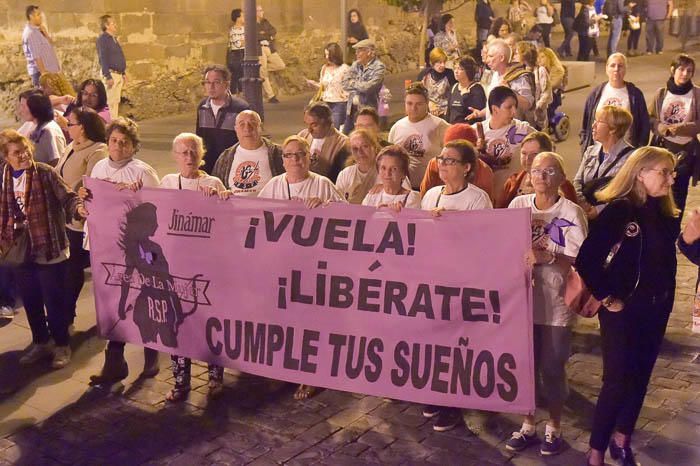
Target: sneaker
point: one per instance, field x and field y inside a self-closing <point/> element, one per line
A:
<point x="274" y="100"/>
<point x="448" y="419"/>
<point x="520" y="441"/>
<point x="61" y="357"/>
<point x="552" y="444"/>
<point x="6" y="312"/>
<point x="36" y="352"/>
<point x="430" y="411"/>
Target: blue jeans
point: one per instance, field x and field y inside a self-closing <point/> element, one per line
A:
<point x="655" y="35"/>
<point x="568" y="25"/>
<point x="338" y="111"/>
<point x="615" y="33"/>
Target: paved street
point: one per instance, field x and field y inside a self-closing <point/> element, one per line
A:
<point x="50" y="417"/>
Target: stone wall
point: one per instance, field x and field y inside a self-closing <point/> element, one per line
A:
<point x="166" y="42"/>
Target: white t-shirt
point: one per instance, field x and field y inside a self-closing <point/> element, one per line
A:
<point x="503" y="148"/>
<point x="314" y="185"/>
<point x="175" y="181"/>
<point x="215" y="108"/>
<point x="351" y="182"/>
<point x="410" y="200"/>
<point x="135" y="170"/>
<point x="51" y="143"/>
<point x="422" y="140"/>
<point x="131" y="172"/>
<point x="20" y="188"/>
<point x="250" y="171"/>
<point x="316" y="146"/>
<point x="615" y="97"/>
<point x="27" y="128"/>
<point x="677" y="109"/>
<point x="560" y="229"/>
<point x="470" y="198"/>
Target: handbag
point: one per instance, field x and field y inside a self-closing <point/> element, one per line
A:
<point x="579" y="298"/>
<point x="17" y="252"/>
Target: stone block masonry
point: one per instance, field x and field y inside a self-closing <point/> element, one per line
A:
<point x="167" y="43"/>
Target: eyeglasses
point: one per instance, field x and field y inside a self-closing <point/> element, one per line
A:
<point x="449" y="161"/>
<point x="89" y="94"/>
<point x="190" y="152"/>
<point x="549" y="171"/>
<point x="294" y="155"/>
<point x="217" y="82"/>
<point x="665" y="172"/>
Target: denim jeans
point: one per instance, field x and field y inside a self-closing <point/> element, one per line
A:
<point x="338" y="113"/>
<point x="655" y="35"/>
<point x="568" y="25"/>
<point x="615" y="33"/>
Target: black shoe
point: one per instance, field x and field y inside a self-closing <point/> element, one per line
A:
<point x="274" y="100"/>
<point x="150" y="363"/>
<point x="623" y="456"/>
<point x="448" y="419"/>
<point x="430" y="411"/>
<point x="115" y="368"/>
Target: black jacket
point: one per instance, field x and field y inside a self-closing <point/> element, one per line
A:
<point x="644" y="265"/>
<point x="639" y="133"/>
<point x="483" y="15"/>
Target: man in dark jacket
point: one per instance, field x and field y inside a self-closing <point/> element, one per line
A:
<point x="216" y="114"/>
<point x="567" y="15"/>
<point x="483" y="15"/>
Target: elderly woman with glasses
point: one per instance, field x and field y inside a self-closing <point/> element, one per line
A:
<point x="36" y="203"/>
<point x="188" y="152"/>
<point x="604" y="158"/>
<point x="636" y="288"/>
<point x="456" y="164"/>
<point x="394" y="192"/>
<point x="300" y="184"/>
<point x="559" y="227"/>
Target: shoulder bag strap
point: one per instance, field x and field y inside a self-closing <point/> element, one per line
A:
<point x="622" y="153"/>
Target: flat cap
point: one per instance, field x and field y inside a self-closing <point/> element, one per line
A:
<point x="364" y="44"/>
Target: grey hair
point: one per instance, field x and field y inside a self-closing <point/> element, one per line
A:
<point x="554" y="156"/>
<point x="250" y="112"/>
<point x="502" y="47"/>
<point x="191" y="138"/>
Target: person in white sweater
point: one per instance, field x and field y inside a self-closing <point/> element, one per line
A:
<point x="126" y="172"/>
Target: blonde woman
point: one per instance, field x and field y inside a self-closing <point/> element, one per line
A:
<point x="636" y="289"/>
<point x="360" y="175"/>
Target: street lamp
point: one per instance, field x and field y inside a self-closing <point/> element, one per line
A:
<point x="252" y="83"/>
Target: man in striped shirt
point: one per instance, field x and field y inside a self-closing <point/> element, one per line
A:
<point x="37" y="47"/>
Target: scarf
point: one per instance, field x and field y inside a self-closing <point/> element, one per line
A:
<point x="117" y="164"/>
<point x="35" y="217"/>
<point x="678" y="90"/>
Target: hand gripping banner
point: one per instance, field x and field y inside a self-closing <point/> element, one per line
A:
<point x="406" y="306"/>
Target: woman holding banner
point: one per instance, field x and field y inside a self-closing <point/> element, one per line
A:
<point x="360" y="175"/>
<point x="636" y="287"/>
<point x="559" y="227"/>
<point x="188" y="152"/>
<point x="456" y="165"/>
<point x="34" y="206"/>
<point x="126" y="172"/>
<point x="300" y="184"/>
<point x="395" y="191"/>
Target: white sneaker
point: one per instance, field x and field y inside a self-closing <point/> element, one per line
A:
<point x="6" y="312"/>
<point x="61" y="357"/>
<point x="37" y="351"/>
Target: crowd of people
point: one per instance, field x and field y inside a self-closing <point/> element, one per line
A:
<point x="473" y="137"/>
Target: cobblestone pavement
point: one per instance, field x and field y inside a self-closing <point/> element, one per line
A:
<point x="51" y="418"/>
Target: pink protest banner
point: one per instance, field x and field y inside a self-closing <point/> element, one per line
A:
<point x="407" y="306"/>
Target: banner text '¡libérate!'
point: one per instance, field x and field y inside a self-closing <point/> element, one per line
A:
<point x="432" y="302"/>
